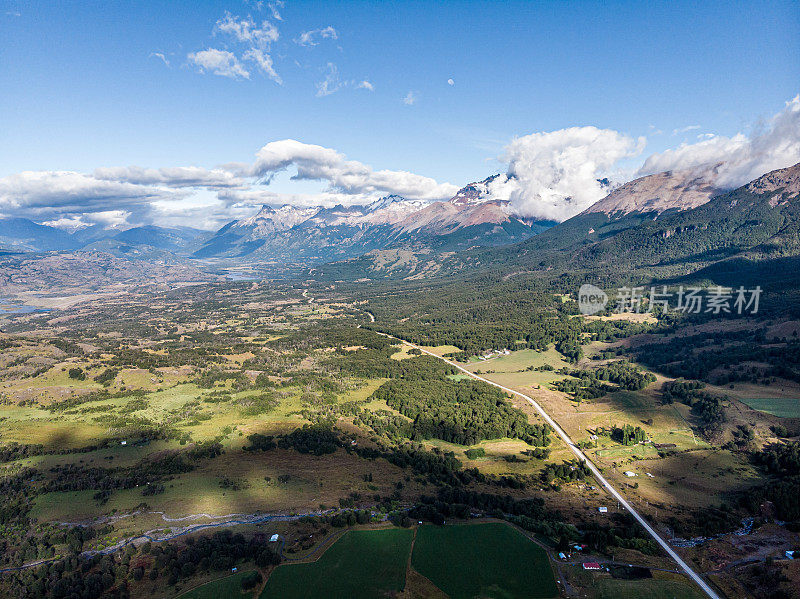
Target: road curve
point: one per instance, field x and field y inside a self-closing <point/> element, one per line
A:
<point x="581" y="456"/>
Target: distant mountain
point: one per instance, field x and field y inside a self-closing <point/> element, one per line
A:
<point x="25" y="235"/>
<point x="671" y="190"/>
<point x="172" y="239"/>
<point x="671" y="224"/>
<point x="758" y="220"/>
<point x="491" y="188"/>
<point x="316" y="235"/>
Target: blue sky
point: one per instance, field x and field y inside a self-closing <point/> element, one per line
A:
<point x="84" y="86"/>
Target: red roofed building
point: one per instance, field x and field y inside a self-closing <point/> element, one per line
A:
<point x="591" y="566"/>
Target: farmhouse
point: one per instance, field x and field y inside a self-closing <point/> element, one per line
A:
<point x="629" y="473"/>
<point x="591" y="566"/>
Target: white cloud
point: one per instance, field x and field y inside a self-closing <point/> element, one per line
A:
<point x="53" y="195"/>
<point x="366" y="85"/>
<point x="311" y="38"/>
<point x="772" y="145"/>
<point x="556" y="172"/>
<point x="410" y="99"/>
<point x="245" y="30"/>
<point x="450" y="82"/>
<point x="161" y="56"/>
<point x="219" y="62"/>
<point x="264" y="62"/>
<point x="68" y="223"/>
<point x="344" y="176"/>
<point x="252" y="43"/>
<point x="197" y="196"/>
<point x="112" y="219"/>
<point x="180" y="176"/>
<point x="275" y="7"/>
<point x="331" y="83"/>
<point x="685" y="129"/>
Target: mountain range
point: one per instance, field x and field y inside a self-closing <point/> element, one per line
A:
<point x="674" y="221"/>
<point x="475" y="216"/>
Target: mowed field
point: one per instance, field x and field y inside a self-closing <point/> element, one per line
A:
<point x="361" y="565"/>
<point x="462" y="561"/>
<point x="783" y="407"/>
<point x="483" y="560"/>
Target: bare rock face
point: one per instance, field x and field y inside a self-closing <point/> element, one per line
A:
<point x="786" y="180"/>
<point x="679" y="190"/>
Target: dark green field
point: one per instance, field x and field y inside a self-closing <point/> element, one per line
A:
<point x="229" y="587"/>
<point x="483" y="560"/>
<point x="360" y="565"/>
<point x="783" y="407"/>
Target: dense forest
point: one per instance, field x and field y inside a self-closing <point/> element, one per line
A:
<point x="464" y="412"/>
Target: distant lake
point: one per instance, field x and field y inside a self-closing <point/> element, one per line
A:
<point x="8" y="307"/>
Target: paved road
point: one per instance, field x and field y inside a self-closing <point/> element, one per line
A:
<point x="598" y="476"/>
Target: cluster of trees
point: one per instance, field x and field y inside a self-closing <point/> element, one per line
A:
<point x="464" y="412"/>
<point x="782" y="462"/>
<point x="318" y="439"/>
<point x="780" y="459"/>
<point x="623" y="532"/>
<point x="591" y="383"/>
<point x="17" y="451"/>
<point x="724" y="353"/>
<point x="111" y="576"/>
<point x="437" y="466"/>
<point x="385" y="423"/>
<point x="628" y="435"/>
<point x="148" y="472"/>
<point x="567" y="471"/>
<point x="708" y="408"/>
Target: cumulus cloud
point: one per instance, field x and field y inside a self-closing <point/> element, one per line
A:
<point x="40" y="189"/>
<point x="197" y="196"/>
<point x="245" y="30"/>
<point x="180" y="176"/>
<point x="252" y="43"/>
<point x="410" y="99"/>
<point x="450" y="82"/>
<point x="557" y="172"/>
<point x="366" y="85"/>
<point x="311" y="38"/>
<point x="349" y="177"/>
<point x="56" y="195"/>
<point x="219" y="62"/>
<point x="771" y="145"/>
